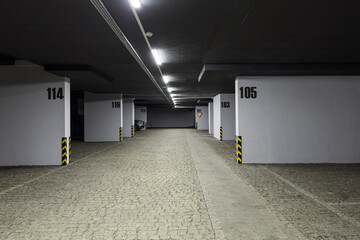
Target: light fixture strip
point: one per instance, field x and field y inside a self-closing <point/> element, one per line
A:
<point x="146" y="39"/>
<point x="156" y="55"/>
<point x="135" y="3"/>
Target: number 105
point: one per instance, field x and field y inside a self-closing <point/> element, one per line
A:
<point x="248" y="92"/>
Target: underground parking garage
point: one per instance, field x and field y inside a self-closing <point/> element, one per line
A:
<point x="146" y="119"/>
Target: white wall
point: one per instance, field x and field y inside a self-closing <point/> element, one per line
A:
<point x="171" y="117"/>
<point x="141" y="114"/>
<point x="300" y="119"/>
<point x="202" y="117"/>
<point x="31" y="125"/>
<point x="129" y="117"/>
<point x="211" y="118"/>
<point x="102" y="117"/>
<point x="224" y="116"/>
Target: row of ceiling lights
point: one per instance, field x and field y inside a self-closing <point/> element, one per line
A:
<point x="166" y="78"/>
<point x="136" y="4"/>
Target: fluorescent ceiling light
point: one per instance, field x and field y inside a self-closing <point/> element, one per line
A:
<point x="156" y="55"/>
<point x="169" y="90"/>
<point x="135" y="3"/>
<point x="166" y="79"/>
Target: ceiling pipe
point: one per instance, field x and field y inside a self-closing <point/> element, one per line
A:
<point x="99" y="5"/>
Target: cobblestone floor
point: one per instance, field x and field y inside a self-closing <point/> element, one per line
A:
<point x="322" y="201"/>
<point x="148" y="188"/>
<point x="144" y="188"/>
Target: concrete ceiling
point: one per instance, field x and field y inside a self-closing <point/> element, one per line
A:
<point x="72" y="39"/>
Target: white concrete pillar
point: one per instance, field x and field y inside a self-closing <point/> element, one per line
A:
<point x="141" y="114"/>
<point x="129" y="117"/>
<point x="299" y="119"/>
<point x="35" y="116"/>
<point x="211" y="118"/>
<point x="201" y="118"/>
<point x="102" y="117"/>
<point x="238" y="136"/>
<point x="224" y="116"/>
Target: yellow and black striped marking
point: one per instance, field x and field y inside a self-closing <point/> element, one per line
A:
<point x="69" y="149"/>
<point x="63" y="151"/>
<point x="220" y="133"/>
<point x="132" y="130"/>
<point x="120" y="134"/>
<point x="239" y="150"/>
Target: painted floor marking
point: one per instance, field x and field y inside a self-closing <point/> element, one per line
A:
<point x="48" y="173"/>
<point x="344" y="204"/>
<point x="313" y="197"/>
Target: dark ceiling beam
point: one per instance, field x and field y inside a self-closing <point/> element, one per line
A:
<point x="203" y="71"/>
<point x="66" y="70"/>
<point x="155" y="105"/>
<point x="282" y="69"/>
<point x="6" y="59"/>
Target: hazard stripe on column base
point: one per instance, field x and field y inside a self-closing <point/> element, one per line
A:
<point x="63" y="151"/>
<point x="239" y="150"/>
<point x="132" y="130"/>
<point x="120" y="135"/>
<point x="69" y="149"/>
<point x="221" y="138"/>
